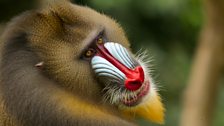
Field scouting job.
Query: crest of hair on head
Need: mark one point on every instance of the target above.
(45, 3)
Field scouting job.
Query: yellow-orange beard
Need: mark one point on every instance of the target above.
(152, 109)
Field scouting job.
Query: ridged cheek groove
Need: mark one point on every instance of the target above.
(113, 59)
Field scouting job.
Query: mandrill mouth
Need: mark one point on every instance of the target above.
(121, 74)
(137, 98)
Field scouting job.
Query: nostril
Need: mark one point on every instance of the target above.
(133, 85)
(135, 79)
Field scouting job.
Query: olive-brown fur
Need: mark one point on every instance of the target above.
(64, 92)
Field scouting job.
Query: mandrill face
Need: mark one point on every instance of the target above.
(88, 54)
(125, 81)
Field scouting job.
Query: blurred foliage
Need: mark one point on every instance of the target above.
(161, 21)
(167, 28)
(9, 8)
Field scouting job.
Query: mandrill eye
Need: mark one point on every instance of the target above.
(100, 40)
(91, 49)
(90, 53)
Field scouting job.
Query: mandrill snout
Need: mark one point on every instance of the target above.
(135, 79)
(113, 63)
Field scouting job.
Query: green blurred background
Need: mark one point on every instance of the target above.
(168, 29)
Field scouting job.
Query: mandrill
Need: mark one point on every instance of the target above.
(67, 65)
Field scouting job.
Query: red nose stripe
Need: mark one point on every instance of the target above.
(134, 78)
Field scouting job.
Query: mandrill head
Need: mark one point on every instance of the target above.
(88, 54)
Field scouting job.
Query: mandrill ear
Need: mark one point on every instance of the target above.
(152, 109)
